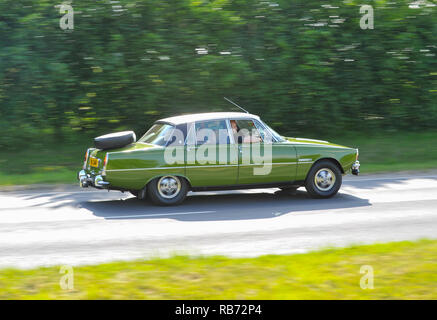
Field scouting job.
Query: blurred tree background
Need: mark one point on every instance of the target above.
(305, 66)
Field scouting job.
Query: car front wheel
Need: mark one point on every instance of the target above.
(167, 190)
(324, 180)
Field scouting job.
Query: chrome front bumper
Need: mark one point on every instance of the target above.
(86, 180)
(356, 168)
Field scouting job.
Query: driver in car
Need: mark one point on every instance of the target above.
(243, 136)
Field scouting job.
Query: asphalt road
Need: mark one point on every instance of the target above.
(70, 226)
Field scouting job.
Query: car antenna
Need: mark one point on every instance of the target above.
(229, 100)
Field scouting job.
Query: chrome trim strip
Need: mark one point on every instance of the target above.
(317, 145)
(212, 166)
(273, 164)
(205, 166)
(139, 169)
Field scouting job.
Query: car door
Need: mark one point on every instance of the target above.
(211, 155)
(263, 159)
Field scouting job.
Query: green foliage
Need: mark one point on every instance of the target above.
(302, 66)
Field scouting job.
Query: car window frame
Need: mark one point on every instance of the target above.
(268, 129)
(253, 121)
(193, 127)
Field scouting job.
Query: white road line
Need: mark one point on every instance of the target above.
(158, 214)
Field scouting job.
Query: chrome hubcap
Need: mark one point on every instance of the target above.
(324, 179)
(169, 187)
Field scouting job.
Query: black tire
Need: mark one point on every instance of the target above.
(329, 179)
(157, 193)
(115, 140)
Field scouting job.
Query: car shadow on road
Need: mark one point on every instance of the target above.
(223, 206)
(235, 203)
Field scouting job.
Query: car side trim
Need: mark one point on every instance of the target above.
(205, 166)
(296, 183)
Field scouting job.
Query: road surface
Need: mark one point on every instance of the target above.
(71, 226)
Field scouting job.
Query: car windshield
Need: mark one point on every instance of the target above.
(158, 134)
(276, 135)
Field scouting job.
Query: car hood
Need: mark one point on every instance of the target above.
(314, 142)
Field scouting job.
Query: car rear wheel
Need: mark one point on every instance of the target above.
(167, 190)
(324, 180)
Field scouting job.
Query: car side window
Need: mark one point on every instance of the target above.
(211, 132)
(245, 131)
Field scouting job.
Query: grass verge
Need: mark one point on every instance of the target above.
(402, 270)
(384, 152)
(395, 151)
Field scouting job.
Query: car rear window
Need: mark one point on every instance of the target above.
(158, 134)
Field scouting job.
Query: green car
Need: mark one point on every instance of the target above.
(214, 151)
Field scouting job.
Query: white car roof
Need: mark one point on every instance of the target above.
(187, 118)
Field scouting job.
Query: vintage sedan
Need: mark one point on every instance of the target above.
(214, 151)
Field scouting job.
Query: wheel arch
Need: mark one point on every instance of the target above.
(333, 160)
